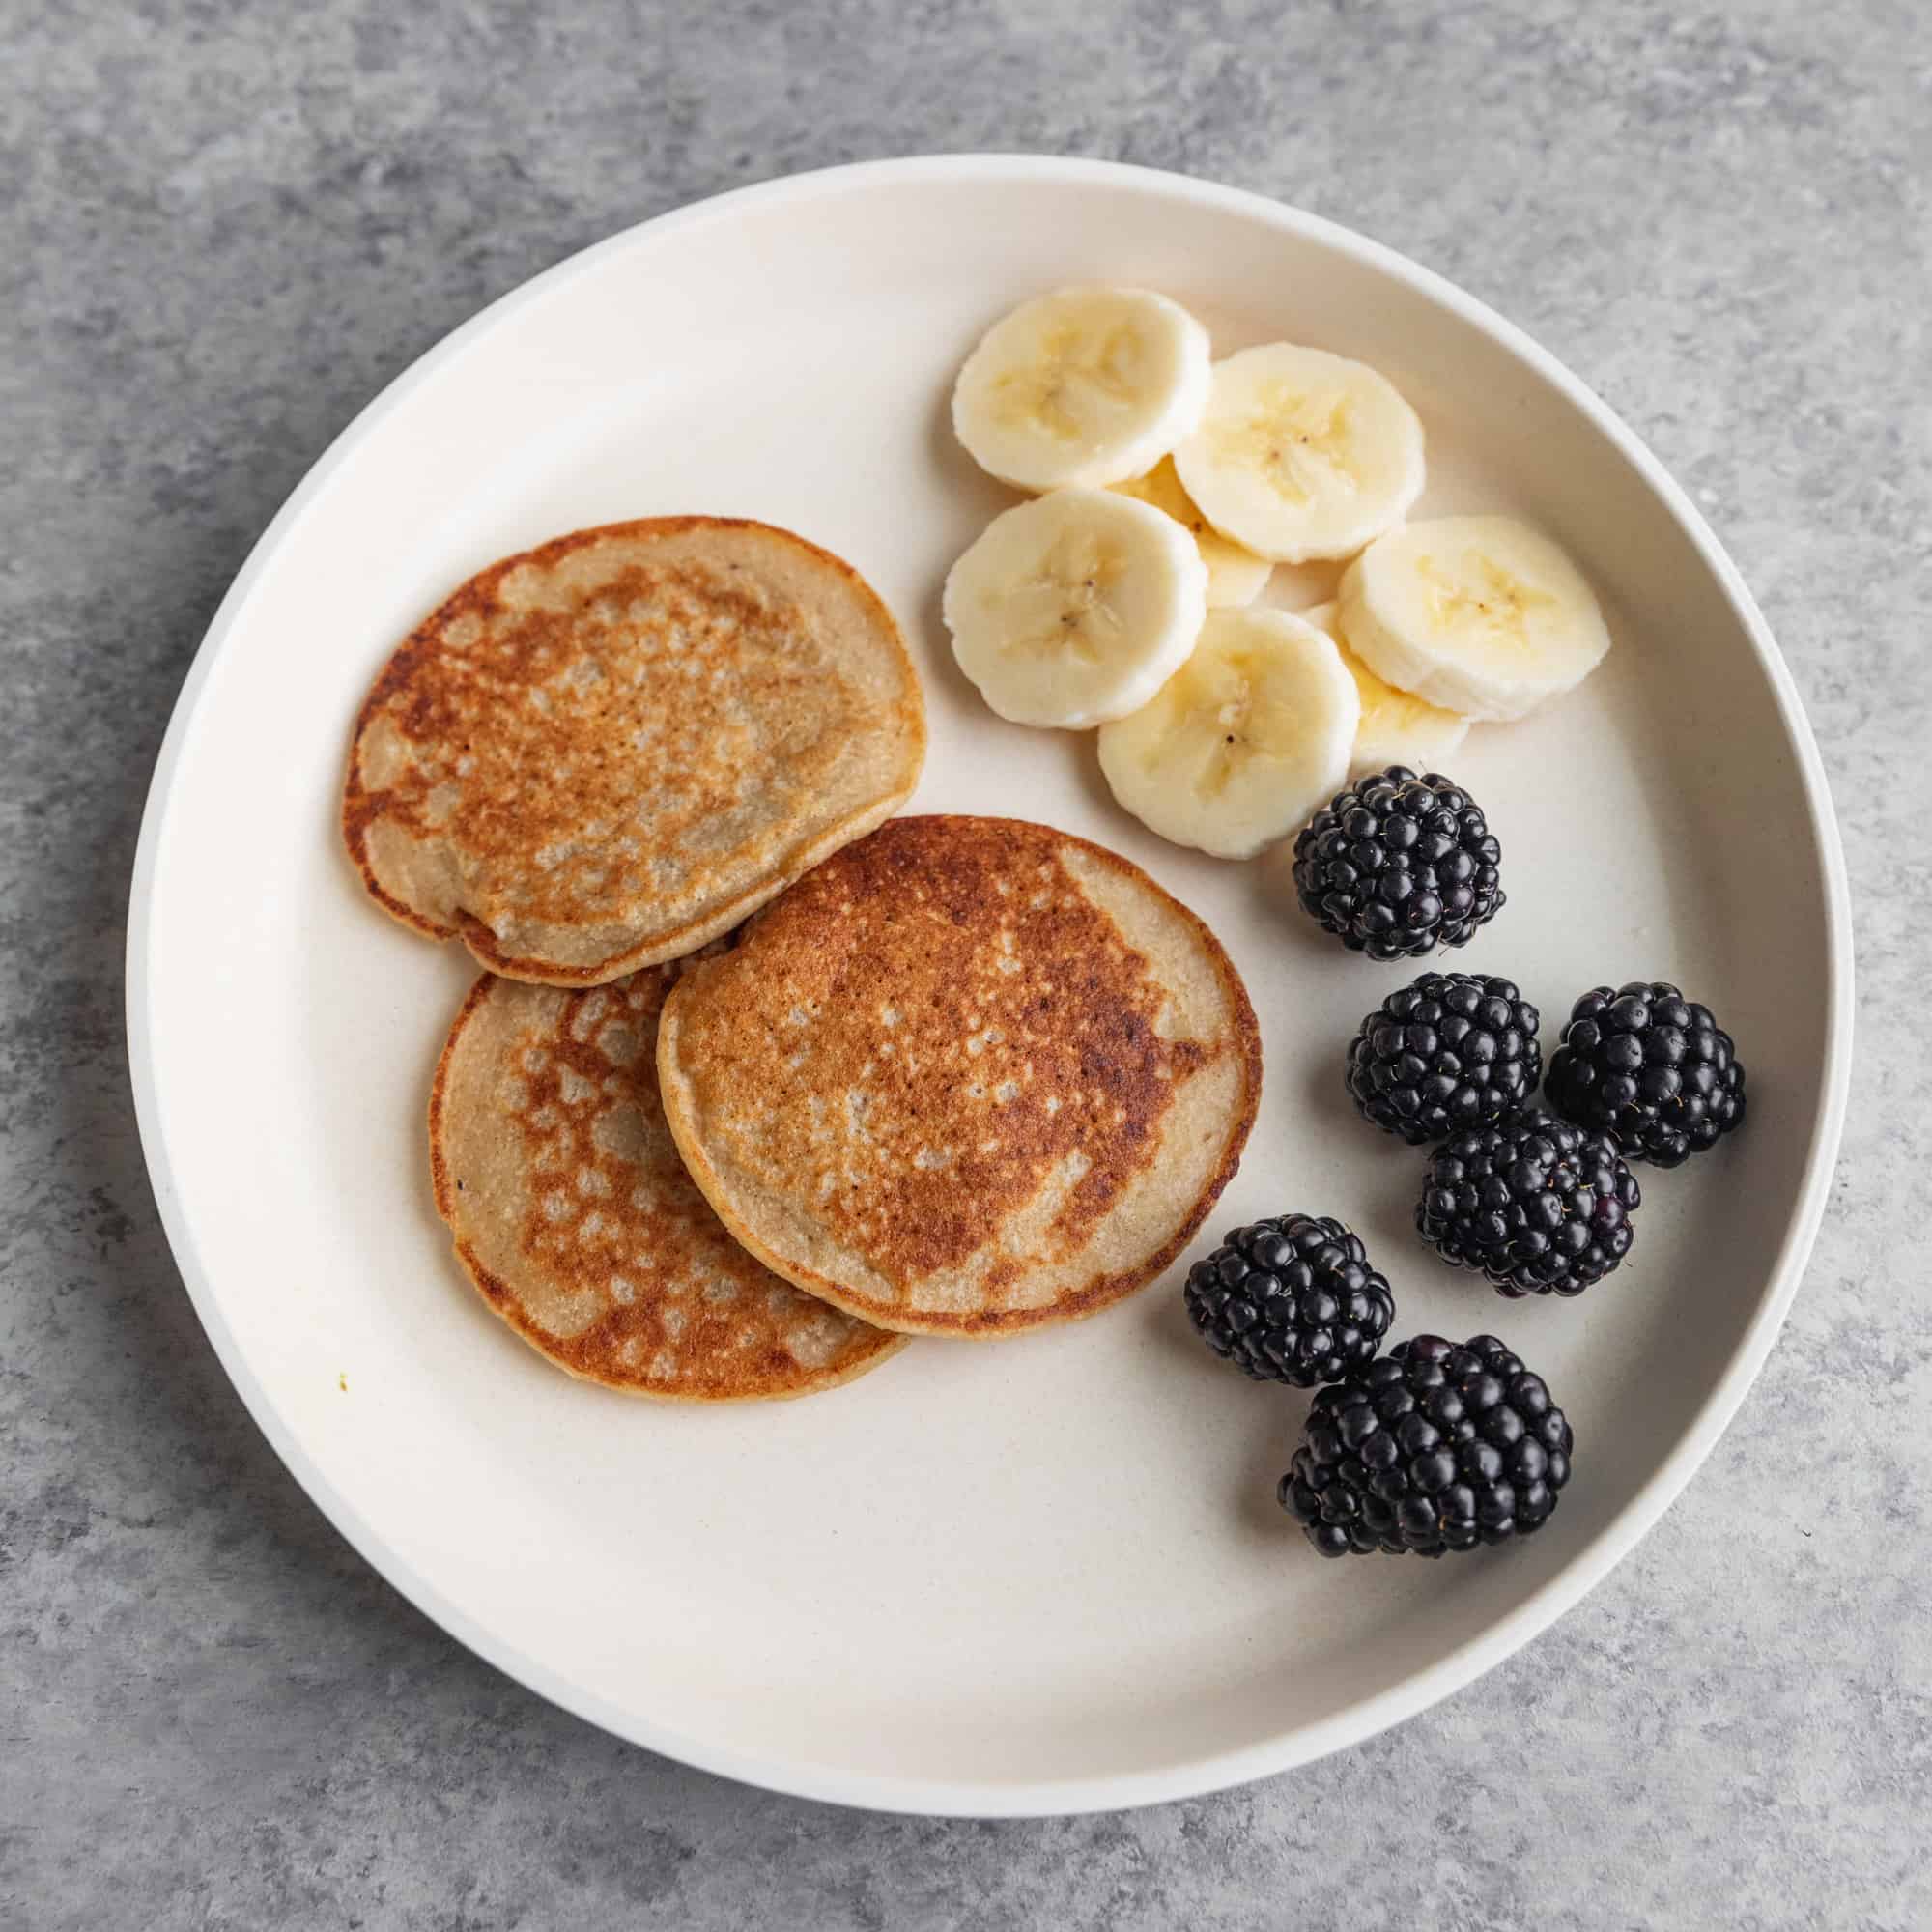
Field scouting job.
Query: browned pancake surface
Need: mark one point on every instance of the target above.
(574, 1216)
(601, 752)
(968, 1076)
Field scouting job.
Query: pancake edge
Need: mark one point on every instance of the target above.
(488, 1285)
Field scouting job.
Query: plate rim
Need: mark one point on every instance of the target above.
(1194, 1776)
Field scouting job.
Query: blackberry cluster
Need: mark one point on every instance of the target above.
(1453, 1051)
(1537, 1205)
(1293, 1300)
(1650, 1069)
(1398, 864)
(1434, 1447)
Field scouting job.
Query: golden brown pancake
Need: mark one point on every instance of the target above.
(601, 752)
(968, 1077)
(575, 1217)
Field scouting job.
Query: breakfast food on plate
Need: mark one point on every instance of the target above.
(1538, 1206)
(1075, 608)
(1236, 746)
(1085, 386)
(1437, 1446)
(1453, 1051)
(599, 754)
(1396, 727)
(1302, 455)
(1293, 1300)
(1650, 1069)
(1235, 574)
(969, 1077)
(573, 1216)
(1479, 614)
(1280, 453)
(1398, 864)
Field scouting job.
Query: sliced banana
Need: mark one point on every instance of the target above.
(1243, 741)
(1481, 616)
(1075, 608)
(1396, 728)
(1084, 387)
(1235, 574)
(1302, 455)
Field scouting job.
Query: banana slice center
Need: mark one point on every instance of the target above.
(1064, 610)
(1228, 691)
(1227, 751)
(1475, 593)
(1296, 442)
(1080, 373)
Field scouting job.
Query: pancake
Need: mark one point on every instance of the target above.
(574, 1216)
(969, 1077)
(601, 753)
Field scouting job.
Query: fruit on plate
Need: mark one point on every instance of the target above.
(1302, 455)
(1450, 1052)
(1399, 863)
(1537, 1205)
(1075, 608)
(1396, 727)
(1437, 1446)
(1245, 736)
(1235, 574)
(1481, 616)
(1085, 386)
(1650, 1069)
(1292, 1300)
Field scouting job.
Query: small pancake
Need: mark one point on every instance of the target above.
(575, 1217)
(603, 752)
(969, 1077)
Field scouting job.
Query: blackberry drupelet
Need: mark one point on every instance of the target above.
(1398, 864)
(1650, 1069)
(1540, 1205)
(1293, 1300)
(1454, 1050)
(1436, 1447)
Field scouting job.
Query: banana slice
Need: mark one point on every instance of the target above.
(1302, 455)
(1075, 608)
(1479, 614)
(1396, 728)
(1244, 740)
(1084, 387)
(1235, 574)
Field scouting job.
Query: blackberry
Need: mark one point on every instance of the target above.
(1539, 1206)
(1650, 1069)
(1436, 1447)
(1290, 1301)
(1454, 1050)
(1398, 864)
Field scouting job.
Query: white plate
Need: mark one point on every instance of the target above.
(1046, 1575)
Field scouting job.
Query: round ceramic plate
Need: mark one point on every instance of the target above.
(1043, 1575)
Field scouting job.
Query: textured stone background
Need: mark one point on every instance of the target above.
(220, 233)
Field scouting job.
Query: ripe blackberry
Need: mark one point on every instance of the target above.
(1455, 1050)
(1398, 864)
(1650, 1069)
(1436, 1447)
(1539, 1206)
(1290, 1301)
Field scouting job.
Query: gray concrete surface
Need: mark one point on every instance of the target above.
(222, 230)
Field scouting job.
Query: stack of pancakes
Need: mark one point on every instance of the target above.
(761, 1082)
